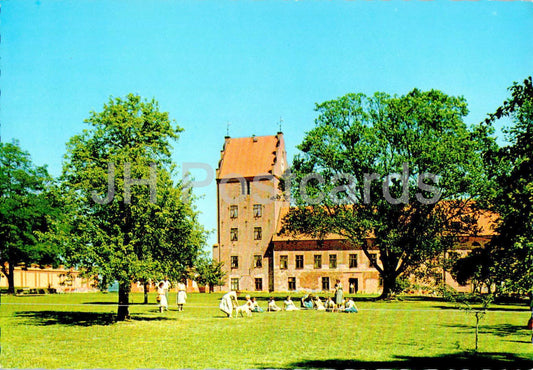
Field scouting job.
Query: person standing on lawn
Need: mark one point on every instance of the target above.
(339, 294)
(166, 287)
(182, 295)
(161, 297)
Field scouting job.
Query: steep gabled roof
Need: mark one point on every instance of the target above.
(250, 156)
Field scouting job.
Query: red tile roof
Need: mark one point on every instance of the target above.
(248, 156)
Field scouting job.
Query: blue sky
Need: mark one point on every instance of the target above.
(244, 62)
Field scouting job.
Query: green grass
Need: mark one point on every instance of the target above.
(79, 331)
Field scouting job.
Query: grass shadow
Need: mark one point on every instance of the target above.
(463, 360)
(75, 318)
(495, 309)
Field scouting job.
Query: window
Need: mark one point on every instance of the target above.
(353, 261)
(325, 283)
(234, 283)
(257, 233)
(258, 210)
(234, 234)
(373, 258)
(234, 262)
(258, 261)
(292, 283)
(318, 261)
(245, 186)
(299, 261)
(283, 262)
(353, 285)
(332, 261)
(258, 284)
(233, 211)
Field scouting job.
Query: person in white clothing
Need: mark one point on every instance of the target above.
(166, 287)
(272, 307)
(182, 296)
(163, 303)
(228, 303)
(289, 305)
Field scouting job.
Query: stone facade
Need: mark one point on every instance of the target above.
(257, 257)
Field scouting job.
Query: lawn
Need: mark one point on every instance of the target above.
(79, 331)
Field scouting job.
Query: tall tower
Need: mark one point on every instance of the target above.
(249, 204)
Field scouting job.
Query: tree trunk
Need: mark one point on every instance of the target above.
(389, 284)
(11, 278)
(123, 301)
(146, 286)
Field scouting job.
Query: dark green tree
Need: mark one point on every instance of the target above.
(511, 195)
(394, 174)
(129, 220)
(25, 202)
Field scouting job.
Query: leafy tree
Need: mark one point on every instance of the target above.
(209, 272)
(372, 161)
(143, 226)
(477, 267)
(24, 204)
(511, 196)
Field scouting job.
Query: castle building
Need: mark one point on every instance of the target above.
(258, 257)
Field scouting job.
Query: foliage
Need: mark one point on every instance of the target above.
(511, 196)
(26, 199)
(139, 231)
(477, 268)
(209, 272)
(399, 142)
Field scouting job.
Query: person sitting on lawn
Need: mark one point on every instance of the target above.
(330, 305)
(255, 306)
(272, 307)
(350, 307)
(319, 306)
(307, 302)
(289, 304)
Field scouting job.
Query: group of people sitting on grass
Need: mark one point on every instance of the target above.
(229, 305)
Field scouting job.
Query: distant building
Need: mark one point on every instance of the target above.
(60, 279)
(257, 257)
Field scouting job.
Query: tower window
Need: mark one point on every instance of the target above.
(258, 233)
(233, 211)
(258, 210)
(234, 234)
(234, 262)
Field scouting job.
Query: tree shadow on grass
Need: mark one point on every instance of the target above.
(463, 360)
(500, 330)
(495, 308)
(75, 318)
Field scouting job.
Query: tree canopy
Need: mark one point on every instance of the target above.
(24, 206)
(511, 195)
(394, 173)
(129, 220)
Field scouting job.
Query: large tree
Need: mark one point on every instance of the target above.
(394, 173)
(24, 206)
(511, 196)
(129, 220)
